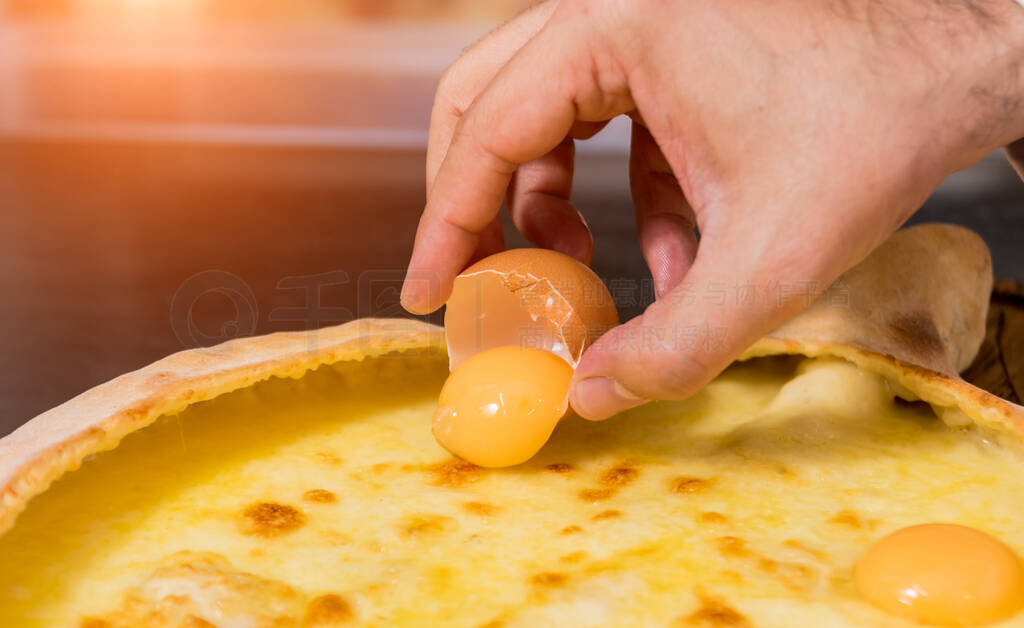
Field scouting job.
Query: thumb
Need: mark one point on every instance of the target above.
(731, 296)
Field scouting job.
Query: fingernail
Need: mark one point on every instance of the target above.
(575, 252)
(411, 300)
(598, 398)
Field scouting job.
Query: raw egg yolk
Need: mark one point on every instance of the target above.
(499, 407)
(942, 575)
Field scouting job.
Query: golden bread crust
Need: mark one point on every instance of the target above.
(914, 312)
(43, 449)
(921, 298)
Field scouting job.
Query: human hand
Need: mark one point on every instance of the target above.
(795, 136)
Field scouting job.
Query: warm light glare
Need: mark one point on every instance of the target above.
(489, 12)
(141, 8)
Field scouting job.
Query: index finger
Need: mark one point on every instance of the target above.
(470, 75)
(524, 113)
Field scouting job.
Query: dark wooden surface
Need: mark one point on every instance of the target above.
(114, 255)
(999, 367)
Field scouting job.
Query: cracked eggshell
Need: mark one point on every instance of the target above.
(527, 297)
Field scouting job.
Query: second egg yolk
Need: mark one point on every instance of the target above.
(499, 407)
(942, 575)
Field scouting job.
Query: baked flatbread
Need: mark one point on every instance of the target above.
(292, 480)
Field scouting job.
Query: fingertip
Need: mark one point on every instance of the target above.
(413, 301)
(599, 398)
(423, 291)
(576, 244)
(665, 220)
(553, 223)
(669, 246)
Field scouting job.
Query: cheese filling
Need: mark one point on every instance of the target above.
(326, 501)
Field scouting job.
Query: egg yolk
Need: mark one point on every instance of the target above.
(942, 575)
(499, 407)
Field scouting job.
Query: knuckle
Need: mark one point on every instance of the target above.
(447, 86)
(682, 374)
(668, 359)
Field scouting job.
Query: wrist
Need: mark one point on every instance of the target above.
(974, 99)
(961, 66)
(1018, 45)
(1014, 49)
(996, 81)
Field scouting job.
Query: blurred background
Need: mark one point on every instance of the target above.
(174, 173)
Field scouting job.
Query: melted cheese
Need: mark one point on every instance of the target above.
(326, 501)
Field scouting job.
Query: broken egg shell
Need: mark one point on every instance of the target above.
(527, 297)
